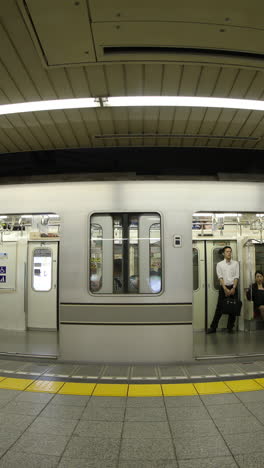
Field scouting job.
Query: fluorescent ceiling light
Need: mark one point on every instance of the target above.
(132, 101)
(3, 217)
(36, 106)
(183, 101)
(260, 215)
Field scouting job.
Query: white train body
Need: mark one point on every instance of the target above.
(115, 328)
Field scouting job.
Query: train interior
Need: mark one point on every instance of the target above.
(243, 232)
(29, 250)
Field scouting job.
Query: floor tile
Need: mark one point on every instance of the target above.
(200, 447)
(71, 388)
(23, 407)
(35, 443)
(208, 388)
(147, 449)
(34, 397)
(238, 425)
(93, 448)
(143, 402)
(15, 422)
(251, 396)
(42, 425)
(181, 401)
(45, 386)
(146, 430)
(223, 399)
(9, 394)
(187, 413)
(144, 390)
(103, 414)
(15, 384)
(218, 462)
(70, 400)
(85, 463)
(111, 390)
(253, 460)
(196, 428)
(178, 389)
(62, 411)
(245, 443)
(99, 429)
(107, 402)
(19, 459)
(148, 464)
(8, 438)
(228, 411)
(145, 414)
(243, 385)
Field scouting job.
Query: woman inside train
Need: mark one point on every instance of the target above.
(256, 294)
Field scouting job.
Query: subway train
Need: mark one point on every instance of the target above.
(112, 266)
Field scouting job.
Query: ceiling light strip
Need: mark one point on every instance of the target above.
(132, 101)
(183, 101)
(58, 104)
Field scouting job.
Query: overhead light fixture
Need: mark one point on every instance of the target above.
(222, 215)
(260, 215)
(3, 217)
(202, 214)
(182, 101)
(132, 101)
(58, 104)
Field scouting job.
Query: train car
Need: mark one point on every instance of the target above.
(110, 267)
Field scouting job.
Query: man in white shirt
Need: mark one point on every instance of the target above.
(228, 275)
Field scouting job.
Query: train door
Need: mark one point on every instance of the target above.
(213, 256)
(42, 285)
(199, 312)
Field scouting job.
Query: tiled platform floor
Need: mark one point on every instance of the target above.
(46, 430)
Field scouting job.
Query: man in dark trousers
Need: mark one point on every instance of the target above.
(228, 275)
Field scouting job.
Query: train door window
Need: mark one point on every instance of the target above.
(42, 269)
(96, 257)
(217, 257)
(259, 257)
(195, 270)
(128, 248)
(155, 258)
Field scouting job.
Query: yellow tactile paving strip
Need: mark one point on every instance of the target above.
(132, 390)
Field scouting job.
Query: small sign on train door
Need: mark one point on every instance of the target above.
(2, 270)
(177, 240)
(2, 279)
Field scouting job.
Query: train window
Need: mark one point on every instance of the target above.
(155, 258)
(125, 253)
(96, 257)
(42, 269)
(259, 257)
(195, 270)
(217, 257)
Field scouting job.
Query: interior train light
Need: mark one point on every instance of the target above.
(183, 101)
(259, 215)
(3, 217)
(202, 214)
(222, 215)
(57, 104)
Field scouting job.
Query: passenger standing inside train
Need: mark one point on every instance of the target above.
(228, 275)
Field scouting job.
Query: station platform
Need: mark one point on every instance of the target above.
(69, 415)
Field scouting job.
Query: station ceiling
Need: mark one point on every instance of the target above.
(61, 49)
